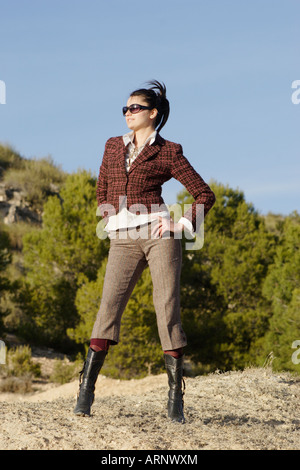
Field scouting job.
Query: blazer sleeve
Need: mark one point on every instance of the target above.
(204, 198)
(104, 209)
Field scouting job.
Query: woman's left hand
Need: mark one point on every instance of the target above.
(166, 225)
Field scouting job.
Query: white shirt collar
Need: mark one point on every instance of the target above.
(128, 138)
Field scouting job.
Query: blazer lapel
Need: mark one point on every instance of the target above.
(122, 155)
(147, 152)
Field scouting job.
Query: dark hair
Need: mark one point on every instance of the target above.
(155, 96)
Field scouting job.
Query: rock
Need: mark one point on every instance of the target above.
(21, 214)
(15, 208)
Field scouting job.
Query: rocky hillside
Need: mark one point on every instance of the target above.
(25, 185)
(14, 206)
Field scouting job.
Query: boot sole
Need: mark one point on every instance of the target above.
(81, 413)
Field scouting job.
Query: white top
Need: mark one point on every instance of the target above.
(126, 219)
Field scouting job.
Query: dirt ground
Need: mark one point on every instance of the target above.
(254, 409)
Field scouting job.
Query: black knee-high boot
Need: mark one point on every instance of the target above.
(88, 376)
(174, 369)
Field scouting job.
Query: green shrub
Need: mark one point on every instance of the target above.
(19, 363)
(65, 371)
(9, 158)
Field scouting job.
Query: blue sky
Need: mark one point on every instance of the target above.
(228, 65)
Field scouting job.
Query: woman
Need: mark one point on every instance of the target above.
(141, 232)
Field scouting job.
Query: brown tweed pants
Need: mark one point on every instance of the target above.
(130, 252)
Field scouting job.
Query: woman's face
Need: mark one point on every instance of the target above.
(144, 119)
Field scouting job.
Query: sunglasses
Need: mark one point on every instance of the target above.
(134, 108)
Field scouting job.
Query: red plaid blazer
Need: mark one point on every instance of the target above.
(140, 189)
